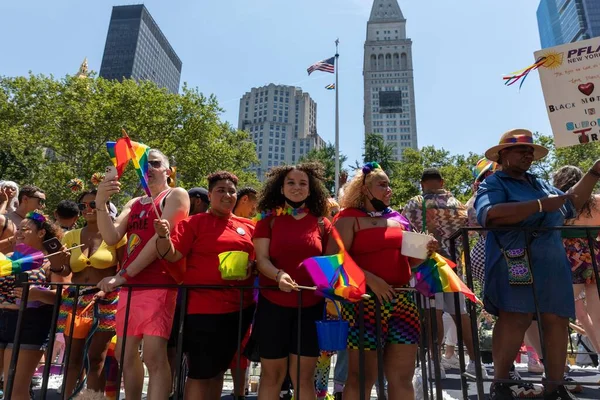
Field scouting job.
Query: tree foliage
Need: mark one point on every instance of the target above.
(326, 156)
(376, 150)
(55, 130)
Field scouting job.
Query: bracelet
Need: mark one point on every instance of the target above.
(594, 172)
(124, 274)
(540, 205)
(101, 209)
(163, 237)
(277, 276)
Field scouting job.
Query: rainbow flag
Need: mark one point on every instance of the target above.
(435, 275)
(139, 155)
(337, 276)
(24, 258)
(331, 86)
(119, 155)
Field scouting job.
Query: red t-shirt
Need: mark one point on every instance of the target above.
(201, 238)
(139, 232)
(292, 241)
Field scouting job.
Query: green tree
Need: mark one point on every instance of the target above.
(376, 150)
(55, 130)
(326, 156)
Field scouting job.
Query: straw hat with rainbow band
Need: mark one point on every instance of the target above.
(516, 137)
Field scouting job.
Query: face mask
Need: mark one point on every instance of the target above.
(377, 204)
(294, 204)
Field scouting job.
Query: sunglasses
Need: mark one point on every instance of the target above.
(155, 164)
(39, 199)
(82, 206)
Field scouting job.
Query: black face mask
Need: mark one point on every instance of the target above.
(294, 204)
(377, 204)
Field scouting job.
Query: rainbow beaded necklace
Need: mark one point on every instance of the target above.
(279, 211)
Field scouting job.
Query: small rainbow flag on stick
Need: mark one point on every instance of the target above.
(435, 275)
(119, 155)
(24, 258)
(337, 276)
(139, 155)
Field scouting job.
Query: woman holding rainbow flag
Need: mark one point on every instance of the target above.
(291, 228)
(151, 310)
(372, 233)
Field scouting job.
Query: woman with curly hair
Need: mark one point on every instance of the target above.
(291, 228)
(33, 230)
(587, 303)
(372, 233)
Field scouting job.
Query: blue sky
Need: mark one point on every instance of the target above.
(461, 49)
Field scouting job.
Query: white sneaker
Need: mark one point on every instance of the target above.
(431, 371)
(450, 362)
(524, 390)
(471, 369)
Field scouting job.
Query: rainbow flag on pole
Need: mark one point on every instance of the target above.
(435, 275)
(119, 155)
(337, 276)
(23, 259)
(139, 155)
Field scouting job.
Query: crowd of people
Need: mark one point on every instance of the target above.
(235, 240)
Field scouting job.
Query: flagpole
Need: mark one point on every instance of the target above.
(337, 122)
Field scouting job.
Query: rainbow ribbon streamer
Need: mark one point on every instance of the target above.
(337, 276)
(435, 275)
(521, 75)
(23, 259)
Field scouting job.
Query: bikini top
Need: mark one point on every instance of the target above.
(104, 257)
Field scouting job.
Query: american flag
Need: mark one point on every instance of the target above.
(324, 65)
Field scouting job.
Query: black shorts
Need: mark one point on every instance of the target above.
(277, 330)
(211, 340)
(34, 329)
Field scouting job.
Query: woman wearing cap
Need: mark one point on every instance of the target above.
(515, 198)
(204, 242)
(291, 228)
(372, 232)
(88, 265)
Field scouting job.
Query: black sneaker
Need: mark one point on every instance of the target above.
(337, 396)
(501, 391)
(560, 393)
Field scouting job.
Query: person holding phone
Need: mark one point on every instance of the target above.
(517, 262)
(151, 309)
(33, 231)
(88, 265)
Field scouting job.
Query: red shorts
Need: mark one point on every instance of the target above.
(150, 313)
(244, 362)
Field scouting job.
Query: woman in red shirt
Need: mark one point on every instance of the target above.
(291, 229)
(372, 232)
(211, 325)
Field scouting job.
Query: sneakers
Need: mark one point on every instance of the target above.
(450, 362)
(501, 391)
(560, 393)
(573, 387)
(471, 369)
(534, 365)
(431, 371)
(524, 390)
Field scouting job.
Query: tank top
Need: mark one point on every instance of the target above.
(377, 250)
(140, 230)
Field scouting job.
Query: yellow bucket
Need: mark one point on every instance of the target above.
(233, 265)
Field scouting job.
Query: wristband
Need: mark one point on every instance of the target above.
(277, 276)
(541, 209)
(163, 237)
(125, 275)
(594, 172)
(101, 209)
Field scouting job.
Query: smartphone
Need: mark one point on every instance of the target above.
(52, 245)
(110, 173)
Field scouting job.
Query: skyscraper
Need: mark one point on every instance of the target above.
(136, 48)
(388, 78)
(566, 21)
(282, 123)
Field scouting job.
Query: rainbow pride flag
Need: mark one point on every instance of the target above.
(119, 155)
(337, 276)
(139, 155)
(435, 275)
(24, 258)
